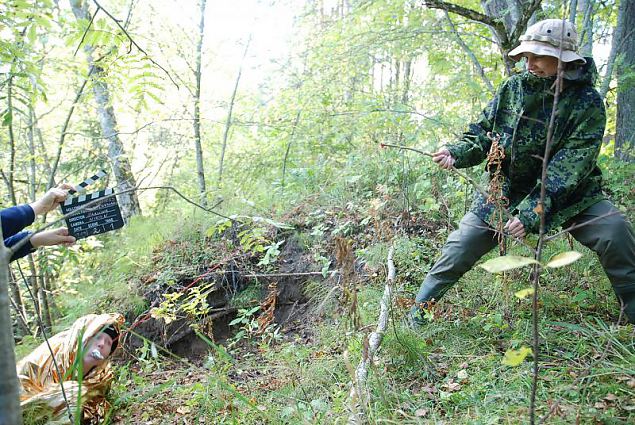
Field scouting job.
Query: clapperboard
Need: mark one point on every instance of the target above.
(100, 217)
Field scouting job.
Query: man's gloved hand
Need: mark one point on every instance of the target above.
(443, 158)
(52, 237)
(51, 199)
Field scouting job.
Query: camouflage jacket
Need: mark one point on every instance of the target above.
(520, 114)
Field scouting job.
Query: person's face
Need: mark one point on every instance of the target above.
(542, 66)
(102, 342)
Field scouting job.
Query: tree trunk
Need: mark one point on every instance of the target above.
(586, 38)
(407, 75)
(503, 11)
(625, 124)
(32, 168)
(10, 178)
(507, 20)
(35, 292)
(118, 161)
(470, 54)
(18, 305)
(60, 143)
(42, 295)
(197, 112)
(10, 413)
(615, 45)
(286, 153)
(229, 114)
(573, 10)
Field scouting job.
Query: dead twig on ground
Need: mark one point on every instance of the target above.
(359, 395)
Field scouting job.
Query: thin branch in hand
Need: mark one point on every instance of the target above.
(470, 180)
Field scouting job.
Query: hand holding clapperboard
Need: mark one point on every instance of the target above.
(99, 218)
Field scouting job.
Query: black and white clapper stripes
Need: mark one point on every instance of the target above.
(81, 187)
(100, 217)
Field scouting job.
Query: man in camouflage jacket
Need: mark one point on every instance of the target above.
(517, 121)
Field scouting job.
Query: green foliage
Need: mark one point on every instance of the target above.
(304, 150)
(507, 262)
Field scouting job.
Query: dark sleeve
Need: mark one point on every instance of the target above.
(569, 166)
(24, 250)
(472, 148)
(15, 219)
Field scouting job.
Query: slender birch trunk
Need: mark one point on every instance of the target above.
(119, 162)
(10, 178)
(32, 165)
(200, 169)
(46, 285)
(60, 143)
(586, 39)
(407, 75)
(229, 115)
(573, 10)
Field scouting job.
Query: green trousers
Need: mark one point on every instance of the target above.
(612, 238)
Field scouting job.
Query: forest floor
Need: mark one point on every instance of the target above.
(291, 363)
(262, 322)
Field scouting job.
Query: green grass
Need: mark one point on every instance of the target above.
(448, 372)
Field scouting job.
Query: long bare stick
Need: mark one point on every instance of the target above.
(469, 179)
(541, 232)
(359, 392)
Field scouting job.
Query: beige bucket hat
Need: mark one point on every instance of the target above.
(544, 38)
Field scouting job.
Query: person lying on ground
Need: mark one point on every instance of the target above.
(519, 117)
(14, 219)
(92, 339)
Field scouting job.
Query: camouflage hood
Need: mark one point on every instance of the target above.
(520, 113)
(586, 74)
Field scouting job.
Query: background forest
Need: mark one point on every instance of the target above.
(253, 262)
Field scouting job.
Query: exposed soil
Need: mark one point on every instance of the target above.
(179, 337)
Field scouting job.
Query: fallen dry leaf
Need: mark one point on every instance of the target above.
(610, 397)
(452, 386)
(420, 413)
(183, 410)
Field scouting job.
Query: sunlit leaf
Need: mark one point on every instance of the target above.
(516, 357)
(524, 293)
(563, 259)
(507, 262)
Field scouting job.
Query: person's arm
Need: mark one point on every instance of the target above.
(24, 250)
(15, 219)
(571, 164)
(474, 145)
(46, 238)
